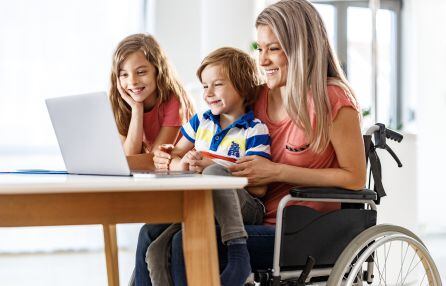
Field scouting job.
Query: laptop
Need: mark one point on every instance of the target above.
(88, 137)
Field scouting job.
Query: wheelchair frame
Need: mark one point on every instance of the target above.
(277, 241)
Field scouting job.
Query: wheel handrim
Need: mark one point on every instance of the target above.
(410, 251)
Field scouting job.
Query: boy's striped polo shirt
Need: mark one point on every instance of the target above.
(244, 137)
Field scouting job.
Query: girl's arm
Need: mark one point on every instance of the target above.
(348, 144)
(181, 148)
(133, 141)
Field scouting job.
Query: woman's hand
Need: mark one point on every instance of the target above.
(162, 157)
(127, 98)
(258, 170)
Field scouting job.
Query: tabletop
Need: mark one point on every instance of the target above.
(41, 184)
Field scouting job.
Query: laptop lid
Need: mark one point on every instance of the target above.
(87, 134)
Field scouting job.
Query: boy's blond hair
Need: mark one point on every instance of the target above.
(239, 67)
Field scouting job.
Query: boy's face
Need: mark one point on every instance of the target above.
(137, 77)
(219, 93)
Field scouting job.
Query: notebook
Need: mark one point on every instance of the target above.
(88, 137)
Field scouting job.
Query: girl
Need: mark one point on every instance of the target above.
(148, 101)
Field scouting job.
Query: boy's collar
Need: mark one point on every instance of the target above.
(243, 121)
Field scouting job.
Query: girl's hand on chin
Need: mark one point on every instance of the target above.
(258, 170)
(127, 98)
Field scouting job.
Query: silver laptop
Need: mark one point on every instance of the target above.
(87, 134)
(89, 139)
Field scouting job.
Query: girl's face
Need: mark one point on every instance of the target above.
(219, 93)
(138, 77)
(272, 58)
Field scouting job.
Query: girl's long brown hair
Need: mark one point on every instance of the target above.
(166, 81)
(312, 65)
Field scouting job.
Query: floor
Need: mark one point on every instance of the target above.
(88, 267)
(62, 268)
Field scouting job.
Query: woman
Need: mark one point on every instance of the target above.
(311, 112)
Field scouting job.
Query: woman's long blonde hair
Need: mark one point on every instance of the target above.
(312, 65)
(166, 81)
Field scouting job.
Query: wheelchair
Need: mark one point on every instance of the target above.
(346, 246)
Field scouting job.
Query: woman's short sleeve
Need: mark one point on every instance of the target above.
(339, 99)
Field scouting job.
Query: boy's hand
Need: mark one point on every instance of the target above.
(196, 162)
(200, 165)
(189, 160)
(162, 156)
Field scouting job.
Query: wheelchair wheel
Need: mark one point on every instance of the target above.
(385, 255)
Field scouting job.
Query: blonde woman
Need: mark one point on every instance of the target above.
(308, 106)
(148, 101)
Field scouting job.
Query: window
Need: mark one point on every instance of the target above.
(53, 48)
(353, 43)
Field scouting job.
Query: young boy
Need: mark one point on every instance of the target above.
(212, 141)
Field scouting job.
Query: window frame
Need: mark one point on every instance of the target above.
(341, 7)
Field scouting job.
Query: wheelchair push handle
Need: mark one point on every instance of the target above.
(380, 133)
(393, 135)
(394, 156)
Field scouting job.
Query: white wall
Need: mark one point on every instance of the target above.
(424, 68)
(400, 205)
(416, 193)
(196, 27)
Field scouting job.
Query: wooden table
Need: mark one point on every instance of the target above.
(47, 200)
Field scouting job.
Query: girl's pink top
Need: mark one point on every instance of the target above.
(162, 114)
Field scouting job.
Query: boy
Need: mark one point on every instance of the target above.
(212, 141)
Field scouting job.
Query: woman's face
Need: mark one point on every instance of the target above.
(272, 58)
(137, 77)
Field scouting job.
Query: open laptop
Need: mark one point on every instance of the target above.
(88, 136)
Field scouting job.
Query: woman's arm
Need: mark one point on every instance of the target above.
(347, 142)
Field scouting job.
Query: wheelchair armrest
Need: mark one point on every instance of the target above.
(332, 193)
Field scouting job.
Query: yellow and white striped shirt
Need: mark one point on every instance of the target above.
(244, 137)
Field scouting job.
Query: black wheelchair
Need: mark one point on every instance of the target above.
(346, 247)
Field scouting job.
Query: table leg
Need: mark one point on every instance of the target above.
(111, 254)
(199, 241)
